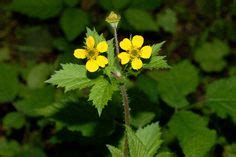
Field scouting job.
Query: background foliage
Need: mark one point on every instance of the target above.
(194, 102)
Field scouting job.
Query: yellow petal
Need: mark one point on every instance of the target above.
(90, 42)
(125, 44)
(102, 61)
(137, 41)
(92, 65)
(80, 53)
(124, 57)
(102, 46)
(136, 63)
(146, 52)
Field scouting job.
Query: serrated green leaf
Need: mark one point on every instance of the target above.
(177, 83)
(150, 137)
(97, 37)
(140, 20)
(71, 76)
(73, 22)
(192, 132)
(38, 74)
(210, 55)
(220, 97)
(136, 147)
(198, 143)
(9, 85)
(157, 62)
(42, 9)
(115, 152)
(167, 20)
(156, 48)
(14, 120)
(101, 93)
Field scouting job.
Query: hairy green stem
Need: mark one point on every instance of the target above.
(125, 101)
(126, 116)
(116, 41)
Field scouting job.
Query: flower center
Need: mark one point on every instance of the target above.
(134, 53)
(93, 53)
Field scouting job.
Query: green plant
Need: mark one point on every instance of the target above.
(111, 76)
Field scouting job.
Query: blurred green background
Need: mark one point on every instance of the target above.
(194, 101)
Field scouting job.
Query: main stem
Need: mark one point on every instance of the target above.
(124, 99)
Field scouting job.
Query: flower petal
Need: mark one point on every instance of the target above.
(102, 61)
(146, 52)
(80, 53)
(137, 41)
(90, 42)
(102, 46)
(92, 65)
(125, 44)
(124, 57)
(136, 63)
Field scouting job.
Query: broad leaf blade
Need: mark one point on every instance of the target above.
(115, 152)
(192, 132)
(210, 55)
(42, 9)
(150, 137)
(221, 98)
(136, 146)
(71, 76)
(73, 22)
(177, 83)
(101, 93)
(157, 62)
(197, 144)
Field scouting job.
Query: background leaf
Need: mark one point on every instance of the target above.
(34, 8)
(9, 85)
(73, 22)
(192, 132)
(14, 120)
(167, 20)
(177, 83)
(38, 74)
(210, 55)
(136, 18)
(221, 99)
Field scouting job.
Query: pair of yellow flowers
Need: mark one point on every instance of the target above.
(133, 52)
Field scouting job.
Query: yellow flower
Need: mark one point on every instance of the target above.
(92, 53)
(134, 51)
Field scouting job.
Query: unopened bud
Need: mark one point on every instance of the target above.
(113, 19)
